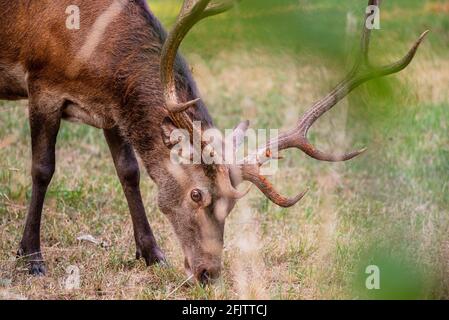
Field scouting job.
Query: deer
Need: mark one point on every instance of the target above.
(122, 73)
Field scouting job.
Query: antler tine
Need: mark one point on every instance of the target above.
(362, 72)
(218, 8)
(251, 173)
(365, 39)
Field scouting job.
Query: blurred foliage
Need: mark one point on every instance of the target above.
(400, 277)
(317, 27)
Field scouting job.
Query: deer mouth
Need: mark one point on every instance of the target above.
(207, 275)
(203, 274)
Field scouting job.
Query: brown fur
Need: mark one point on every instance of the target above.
(117, 89)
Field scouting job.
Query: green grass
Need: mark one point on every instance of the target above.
(266, 63)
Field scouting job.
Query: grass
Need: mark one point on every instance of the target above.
(388, 208)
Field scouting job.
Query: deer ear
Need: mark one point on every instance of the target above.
(177, 141)
(167, 129)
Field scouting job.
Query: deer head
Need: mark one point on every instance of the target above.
(198, 198)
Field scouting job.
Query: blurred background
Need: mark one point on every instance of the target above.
(267, 61)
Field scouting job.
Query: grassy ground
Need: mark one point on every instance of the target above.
(387, 208)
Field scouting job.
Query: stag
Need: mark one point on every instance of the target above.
(121, 73)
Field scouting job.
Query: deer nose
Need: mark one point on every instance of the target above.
(208, 275)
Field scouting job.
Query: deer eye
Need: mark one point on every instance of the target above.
(196, 195)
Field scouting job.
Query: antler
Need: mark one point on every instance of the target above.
(192, 12)
(362, 72)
